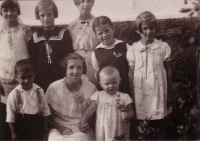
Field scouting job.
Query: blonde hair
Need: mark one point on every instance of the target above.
(144, 17)
(46, 4)
(108, 70)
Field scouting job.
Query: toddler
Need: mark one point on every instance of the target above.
(113, 108)
(27, 109)
(84, 39)
(149, 71)
(110, 51)
(49, 44)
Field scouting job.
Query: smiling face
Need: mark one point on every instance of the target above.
(47, 18)
(25, 79)
(105, 34)
(74, 70)
(85, 6)
(110, 83)
(10, 14)
(148, 32)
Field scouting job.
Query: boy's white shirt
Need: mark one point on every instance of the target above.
(29, 100)
(95, 63)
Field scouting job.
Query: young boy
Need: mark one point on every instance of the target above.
(110, 51)
(27, 109)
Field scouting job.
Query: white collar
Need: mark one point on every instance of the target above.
(34, 88)
(109, 47)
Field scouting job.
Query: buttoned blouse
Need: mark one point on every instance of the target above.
(13, 48)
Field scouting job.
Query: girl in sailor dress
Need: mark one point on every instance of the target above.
(49, 44)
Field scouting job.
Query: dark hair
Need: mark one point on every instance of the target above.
(77, 2)
(10, 4)
(24, 66)
(143, 17)
(74, 56)
(101, 21)
(46, 4)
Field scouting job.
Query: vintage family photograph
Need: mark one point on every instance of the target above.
(99, 70)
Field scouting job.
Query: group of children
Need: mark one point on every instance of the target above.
(133, 81)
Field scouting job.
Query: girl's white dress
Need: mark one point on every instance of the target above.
(149, 81)
(84, 41)
(109, 122)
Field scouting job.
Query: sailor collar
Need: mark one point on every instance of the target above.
(56, 35)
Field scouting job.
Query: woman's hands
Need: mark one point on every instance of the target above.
(84, 127)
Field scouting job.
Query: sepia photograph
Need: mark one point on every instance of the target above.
(99, 70)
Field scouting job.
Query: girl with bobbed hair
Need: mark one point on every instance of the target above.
(49, 44)
(150, 73)
(68, 98)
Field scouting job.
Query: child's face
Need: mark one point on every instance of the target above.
(85, 6)
(25, 79)
(9, 14)
(74, 70)
(110, 83)
(148, 30)
(105, 34)
(47, 18)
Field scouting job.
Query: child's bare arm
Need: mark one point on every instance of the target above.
(13, 131)
(88, 113)
(130, 112)
(130, 75)
(168, 68)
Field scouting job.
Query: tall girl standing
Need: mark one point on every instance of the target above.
(84, 39)
(48, 45)
(13, 43)
(150, 71)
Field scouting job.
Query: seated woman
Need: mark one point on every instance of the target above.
(68, 98)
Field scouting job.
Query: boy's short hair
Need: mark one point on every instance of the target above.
(73, 56)
(46, 4)
(108, 70)
(77, 2)
(10, 4)
(143, 17)
(24, 66)
(101, 21)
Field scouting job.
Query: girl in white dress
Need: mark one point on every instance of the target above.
(149, 71)
(113, 108)
(83, 37)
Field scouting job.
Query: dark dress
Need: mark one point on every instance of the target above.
(115, 57)
(56, 44)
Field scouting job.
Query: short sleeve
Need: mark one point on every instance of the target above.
(130, 56)
(11, 107)
(95, 97)
(167, 52)
(27, 32)
(127, 100)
